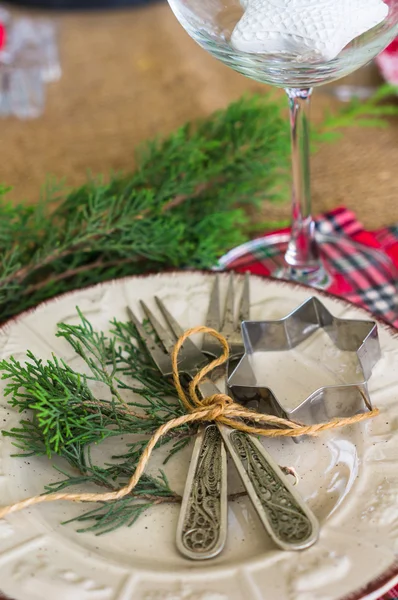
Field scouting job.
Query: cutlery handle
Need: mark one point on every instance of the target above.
(285, 516)
(202, 524)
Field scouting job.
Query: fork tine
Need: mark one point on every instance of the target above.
(153, 348)
(213, 311)
(141, 331)
(244, 306)
(228, 326)
(209, 345)
(163, 334)
(175, 327)
(188, 345)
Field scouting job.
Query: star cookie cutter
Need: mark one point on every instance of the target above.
(325, 403)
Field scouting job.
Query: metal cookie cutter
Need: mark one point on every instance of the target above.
(341, 400)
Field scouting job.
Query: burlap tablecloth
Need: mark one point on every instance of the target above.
(129, 75)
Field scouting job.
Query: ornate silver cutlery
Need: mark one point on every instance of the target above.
(283, 513)
(202, 531)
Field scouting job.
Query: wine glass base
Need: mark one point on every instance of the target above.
(359, 273)
(318, 277)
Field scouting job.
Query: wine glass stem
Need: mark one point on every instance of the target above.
(302, 253)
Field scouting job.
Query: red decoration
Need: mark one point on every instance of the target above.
(387, 62)
(3, 36)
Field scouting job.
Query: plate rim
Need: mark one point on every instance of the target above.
(388, 578)
(285, 282)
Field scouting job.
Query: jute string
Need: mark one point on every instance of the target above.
(219, 408)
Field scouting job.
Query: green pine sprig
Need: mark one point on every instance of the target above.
(374, 112)
(65, 417)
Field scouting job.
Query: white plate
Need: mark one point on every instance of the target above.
(349, 478)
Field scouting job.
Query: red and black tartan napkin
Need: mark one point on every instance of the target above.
(391, 595)
(361, 279)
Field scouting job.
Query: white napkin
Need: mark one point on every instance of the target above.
(314, 29)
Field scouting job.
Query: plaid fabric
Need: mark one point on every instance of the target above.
(364, 279)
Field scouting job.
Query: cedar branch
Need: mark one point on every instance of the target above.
(19, 275)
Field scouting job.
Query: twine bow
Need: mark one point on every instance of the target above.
(219, 408)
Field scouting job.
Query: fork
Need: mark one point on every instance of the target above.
(202, 525)
(257, 399)
(285, 516)
(226, 326)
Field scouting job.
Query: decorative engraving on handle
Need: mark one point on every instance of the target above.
(288, 521)
(203, 527)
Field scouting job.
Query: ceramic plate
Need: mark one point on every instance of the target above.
(348, 477)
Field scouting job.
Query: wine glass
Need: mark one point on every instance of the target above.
(298, 45)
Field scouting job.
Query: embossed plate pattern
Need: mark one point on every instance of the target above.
(349, 479)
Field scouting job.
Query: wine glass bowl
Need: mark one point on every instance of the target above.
(211, 23)
(297, 45)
